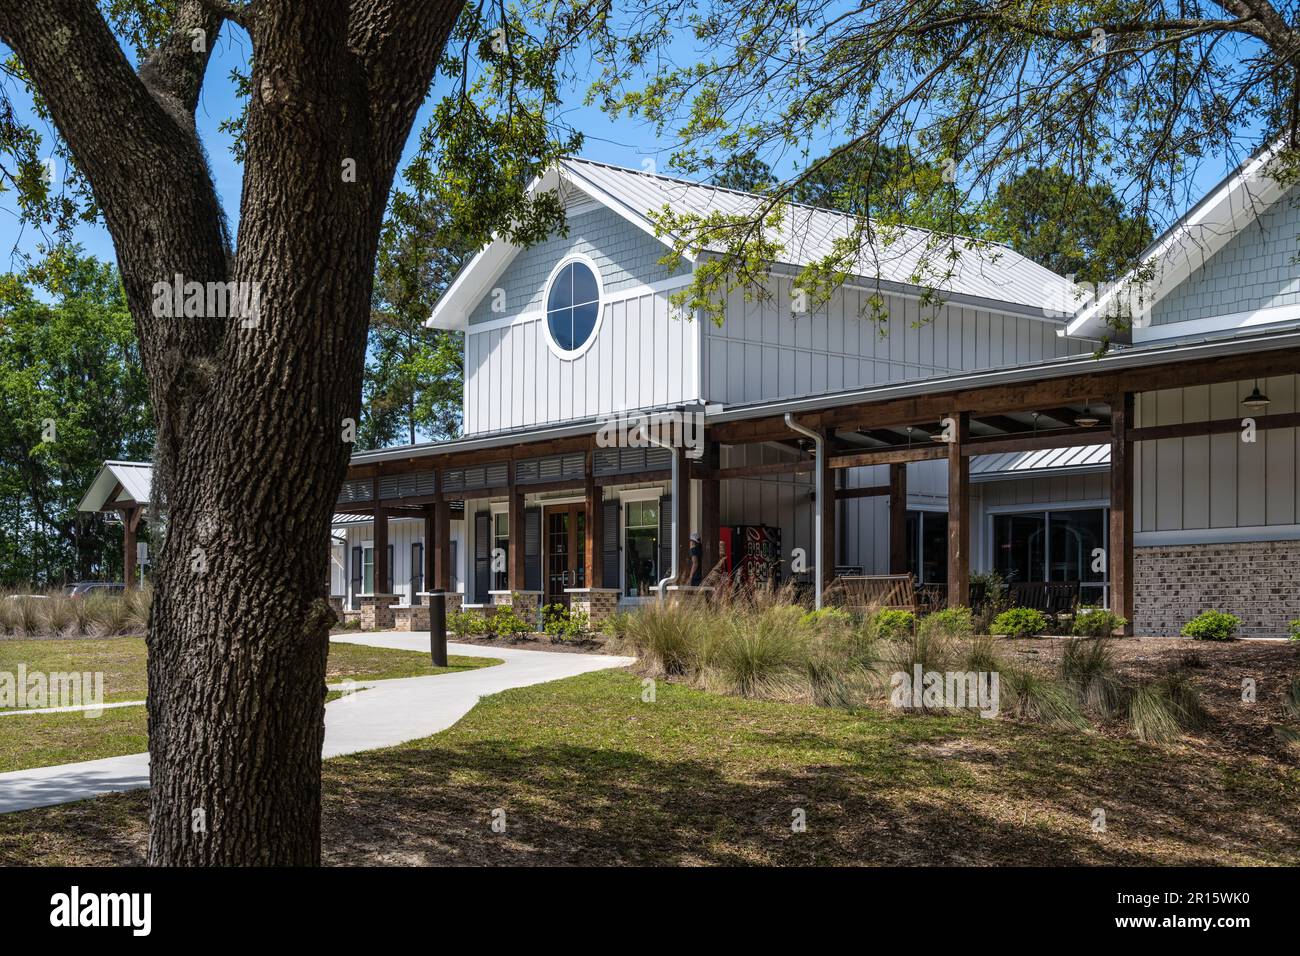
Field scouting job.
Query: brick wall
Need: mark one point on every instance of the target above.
(1254, 580)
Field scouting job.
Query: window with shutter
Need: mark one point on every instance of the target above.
(609, 543)
(665, 535)
(482, 556)
(532, 549)
(417, 572)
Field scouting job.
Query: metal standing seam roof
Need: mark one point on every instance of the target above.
(136, 479)
(896, 254)
(1048, 461)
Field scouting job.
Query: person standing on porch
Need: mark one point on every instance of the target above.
(697, 572)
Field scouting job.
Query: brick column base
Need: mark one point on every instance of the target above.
(597, 603)
(525, 603)
(336, 605)
(377, 612)
(411, 618)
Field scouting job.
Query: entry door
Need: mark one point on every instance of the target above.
(566, 552)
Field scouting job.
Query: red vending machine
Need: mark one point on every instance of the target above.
(753, 554)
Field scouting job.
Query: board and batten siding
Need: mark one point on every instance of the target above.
(1254, 270)
(1217, 481)
(642, 355)
(763, 352)
(402, 533)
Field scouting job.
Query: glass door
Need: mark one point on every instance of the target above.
(565, 559)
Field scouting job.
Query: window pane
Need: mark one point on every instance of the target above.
(584, 322)
(561, 294)
(1075, 535)
(584, 284)
(934, 546)
(641, 572)
(1018, 547)
(561, 324)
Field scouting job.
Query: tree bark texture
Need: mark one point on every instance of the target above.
(250, 453)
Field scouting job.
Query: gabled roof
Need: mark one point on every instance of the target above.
(901, 258)
(1190, 242)
(119, 483)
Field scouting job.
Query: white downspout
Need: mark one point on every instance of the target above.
(662, 587)
(819, 499)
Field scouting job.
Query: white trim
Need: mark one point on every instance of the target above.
(563, 354)
(1078, 504)
(641, 494)
(1205, 229)
(1260, 533)
(1217, 323)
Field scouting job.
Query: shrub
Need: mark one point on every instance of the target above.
(466, 623)
(616, 625)
(1027, 695)
(561, 624)
(827, 617)
(1293, 630)
(1096, 622)
(1212, 626)
(1019, 622)
(1292, 700)
(889, 625)
(950, 622)
(1088, 669)
(506, 622)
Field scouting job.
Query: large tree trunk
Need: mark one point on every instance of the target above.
(250, 454)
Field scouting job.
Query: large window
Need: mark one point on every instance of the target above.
(927, 546)
(1054, 546)
(641, 548)
(572, 306)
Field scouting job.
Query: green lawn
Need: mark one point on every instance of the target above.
(43, 740)
(585, 772)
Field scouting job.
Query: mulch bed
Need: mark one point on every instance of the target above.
(1218, 669)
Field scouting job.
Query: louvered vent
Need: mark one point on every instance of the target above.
(356, 490)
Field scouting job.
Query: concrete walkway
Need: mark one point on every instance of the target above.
(390, 712)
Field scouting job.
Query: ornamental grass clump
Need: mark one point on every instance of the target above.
(1088, 670)
(759, 654)
(1030, 696)
(668, 637)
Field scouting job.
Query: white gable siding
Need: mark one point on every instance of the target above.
(763, 352)
(1254, 270)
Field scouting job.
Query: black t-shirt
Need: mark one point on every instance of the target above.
(698, 574)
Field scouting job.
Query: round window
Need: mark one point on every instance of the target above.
(572, 306)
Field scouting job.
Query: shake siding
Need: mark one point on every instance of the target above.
(1254, 270)
(1217, 481)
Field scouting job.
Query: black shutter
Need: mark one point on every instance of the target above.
(532, 549)
(609, 543)
(358, 576)
(665, 537)
(392, 570)
(417, 572)
(482, 556)
(453, 574)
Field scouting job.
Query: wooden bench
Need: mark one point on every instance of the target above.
(885, 592)
(1053, 598)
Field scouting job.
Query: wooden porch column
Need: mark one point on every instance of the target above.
(515, 558)
(710, 510)
(130, 537)
(898, 518)
(682, 510)
(438, 550)
(1120, 545)
(383, 581)
(959, 514)
(595, 526)
(826, 559)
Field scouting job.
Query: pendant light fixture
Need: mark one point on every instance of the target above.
(1256, 399)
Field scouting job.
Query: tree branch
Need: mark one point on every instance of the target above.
(175, 71)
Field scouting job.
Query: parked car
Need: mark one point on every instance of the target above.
(26, 597)
(84, 588)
